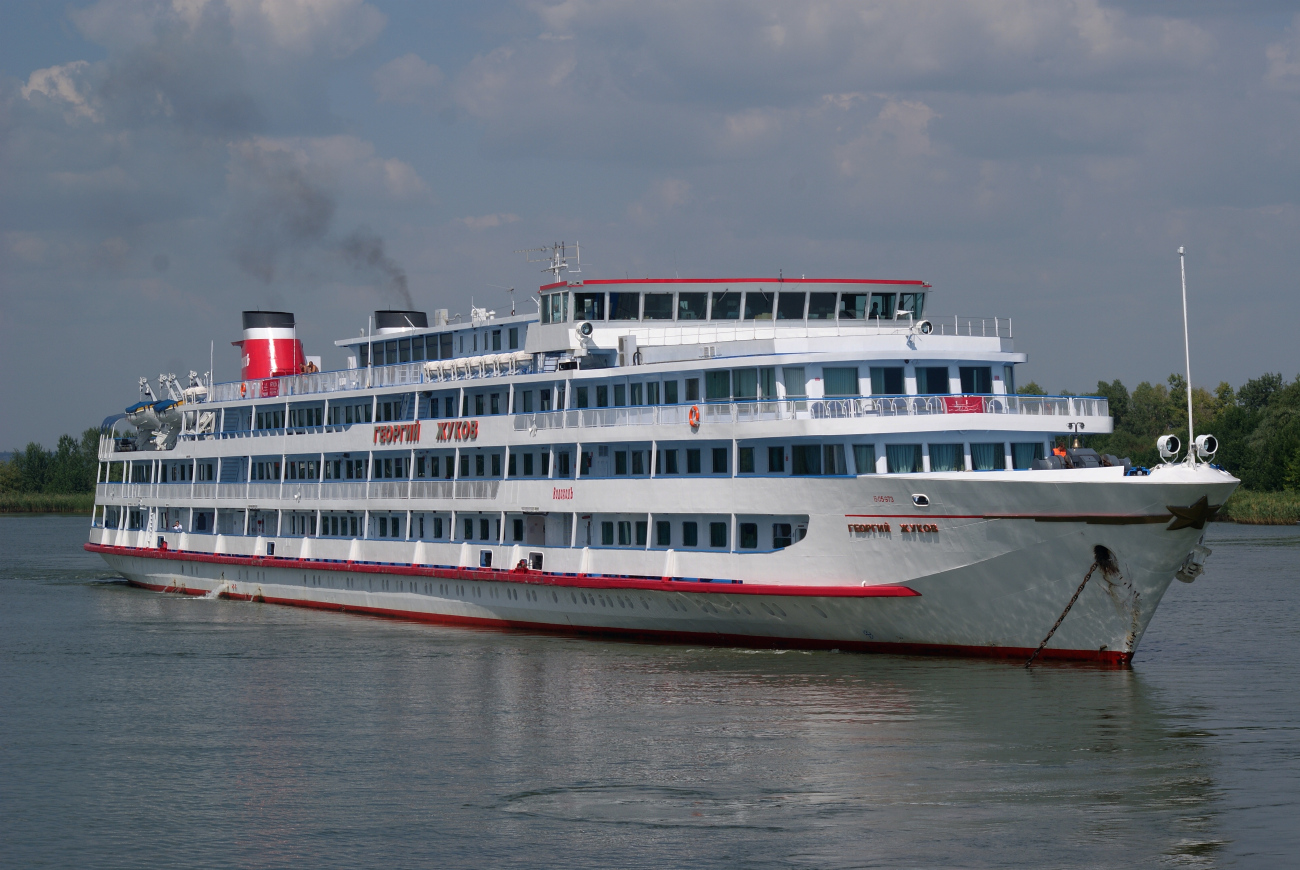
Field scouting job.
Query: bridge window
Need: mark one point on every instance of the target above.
(658, 306)
(912, 302)
(853, 306)
(790, 306)
(692, 306)
(726, 305)
(624, 306)
(758, 305)
(882, 306)
(821, 306)
(589, 306)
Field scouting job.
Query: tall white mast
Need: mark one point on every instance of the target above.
(1187, 359)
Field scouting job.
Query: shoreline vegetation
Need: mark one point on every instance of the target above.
(47, 502)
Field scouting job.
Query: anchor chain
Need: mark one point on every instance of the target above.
(1061, 618)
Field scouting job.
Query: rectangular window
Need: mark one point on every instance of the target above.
(833, 459)
(383, 527)
(758, 304)
(790, 306)
(494, 403)
(745, 383)
(658, 306)
(480, 465)
(692, 389)
(517, 530)
(444, 346)
(365, 355)
(690, 534)
(726, 305)
(404, 350)
(749, 536)
(693, 460)
(585, 460)
(390, 350)
(717, 535)
(544, 399)
(947, 457)
(913, 303)
(496, 464)
(478, 405)
(670, 392)
(775, 460)
(864, 458)
(437, 527)
(781, 536)
(528, 401)
(806, 459)
(840, 381)
(546, 465)
(720, 465)
(514, 338)
(746, 460)
(620, 462)
(903, 458)
(624, 306)
(667, 463)
(717, 387)
(624, 533)
(882, 306)
(796, 385)
(602, 396)
(528, 464)
(663, 533)
(433, 466)
(1023, 455)
(580, 394)
(767, 383)
(988, 457)
(887, 381)
(469, 529)
(589, 306)
(976, 379)
(641, 528)
(932, 380)
(562, 464)
(691, 306)
(821, 306)
(853, 306)
(607, 534)
(484, 531)
(464, 465)
(496, 340)
(620, 395)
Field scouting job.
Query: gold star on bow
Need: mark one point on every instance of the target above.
(1193, 516)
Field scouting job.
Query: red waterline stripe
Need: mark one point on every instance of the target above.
(536, 578)
(1105, 657)
(1106, 519)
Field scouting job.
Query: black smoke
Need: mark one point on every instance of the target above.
(365, 252)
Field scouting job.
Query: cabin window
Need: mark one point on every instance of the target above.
(840, 381)
(589, 306)
(693, 460)
(663, 533)
(670, 392)
(602, 396)
(988, 457)
(796, 385)
(690, 534)
(932, 380)
(390, 350)
(417, 349)
(478, 405)
(620, 462)
(887, 381)
(717, 386)
(692, 389)
(746, 459)
(620, 395)
(365, 355)
(496, 464)
(692, 306)
(469, 529)
(635, 391)
(864, 458)
(853, 306)
(720, 464)
(666, 462)
(947, 457)
(781, 536)
(882, 306)
(775, 460)
(607, 534)
(1023, 455)
(903, 458)
(625, 533)
(976, 379)
(749, 536)
(746, 384)
(444, 347)
(580, 394)
(726, 305)
(484, 531)
(638, 462)
(717, 534)
(758, 305)
(658, 306)
(790, 306)
(624, 306)
(821, 306)
(496, 340)
(494, 403)
(404, 350)
(514, 338)
(517, 530)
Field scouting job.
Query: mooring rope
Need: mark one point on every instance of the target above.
(1061, 618)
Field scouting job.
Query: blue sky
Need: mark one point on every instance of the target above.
(164, 165)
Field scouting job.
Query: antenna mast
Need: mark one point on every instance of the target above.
(1187, 359)
(558, 261)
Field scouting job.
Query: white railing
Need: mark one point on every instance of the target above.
(232, 490)
(319, 383)
(432, 489)
(388, 489)
(263, 490)
(350, 490)
(816, 409)
(299, 490)
(204, 490)
(477, 488)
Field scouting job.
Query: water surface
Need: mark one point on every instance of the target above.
(139, 729)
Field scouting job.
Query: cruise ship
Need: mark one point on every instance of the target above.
(772, 462)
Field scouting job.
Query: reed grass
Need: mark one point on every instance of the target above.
(1262, 508)
(46, 502)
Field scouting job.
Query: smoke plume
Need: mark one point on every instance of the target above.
(365, 252)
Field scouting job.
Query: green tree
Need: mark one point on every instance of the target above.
(1031, 389)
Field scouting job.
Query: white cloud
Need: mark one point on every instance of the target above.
(66, 85)
(1284, 59)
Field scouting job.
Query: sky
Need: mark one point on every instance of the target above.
(165, 164)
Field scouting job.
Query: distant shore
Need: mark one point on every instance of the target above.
(46, 503)
(1262, 508)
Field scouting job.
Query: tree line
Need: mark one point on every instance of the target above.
(70, 467)
(1258, 425)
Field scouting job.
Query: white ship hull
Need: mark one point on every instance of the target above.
(985, 569)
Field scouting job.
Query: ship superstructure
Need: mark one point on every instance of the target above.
(779, 461)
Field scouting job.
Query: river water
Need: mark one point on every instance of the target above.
(149, 730)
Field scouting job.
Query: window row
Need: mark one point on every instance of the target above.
(722, 305)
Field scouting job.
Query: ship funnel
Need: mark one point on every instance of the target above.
(397, 321)
(270, 345)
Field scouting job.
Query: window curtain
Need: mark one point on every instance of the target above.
(903, 458)
(840, 381)
(864, 458)
(1023, 455)
(987, 457)
(947, 457)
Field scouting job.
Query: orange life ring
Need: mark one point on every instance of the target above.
(694, 416)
